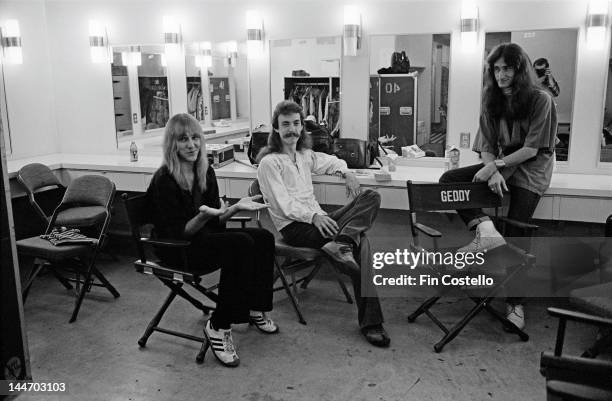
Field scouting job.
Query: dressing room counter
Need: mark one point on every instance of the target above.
(573, 197)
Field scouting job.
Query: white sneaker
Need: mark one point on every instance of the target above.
(482, 244)
(222, 345)
(263, 322)
(516, 315)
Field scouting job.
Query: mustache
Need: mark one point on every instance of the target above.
(290, 134)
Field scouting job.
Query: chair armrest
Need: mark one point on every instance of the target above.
(518, 224)
(580, 317)
(553, 366)
(428, 230)
(170, 243)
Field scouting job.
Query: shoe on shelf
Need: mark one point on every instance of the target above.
(263, 322)
(483, 244)
(376, 335)
(222, 345)
(341, 253)
(516, 315)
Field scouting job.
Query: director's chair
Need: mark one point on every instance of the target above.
(174, 277)
(503, 263)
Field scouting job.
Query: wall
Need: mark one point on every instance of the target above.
(78, 94)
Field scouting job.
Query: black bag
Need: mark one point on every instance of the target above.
(400, 63)
(354, 152)
(259, 140)
(320, 138)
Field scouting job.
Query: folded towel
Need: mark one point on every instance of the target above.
(63, 235)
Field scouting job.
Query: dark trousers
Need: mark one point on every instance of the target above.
(353, 219)
(522, 205)
(246, 259)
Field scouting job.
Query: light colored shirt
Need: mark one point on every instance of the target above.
(287, 186)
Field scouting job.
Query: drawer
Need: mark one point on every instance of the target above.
(545, 208)
(237, 188)
(592, 210)
(123, 181)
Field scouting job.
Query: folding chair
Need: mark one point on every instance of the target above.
(38, 180)
(505, 262)
(295, 260)
(85, 205)
(173, 277)
(570, 377)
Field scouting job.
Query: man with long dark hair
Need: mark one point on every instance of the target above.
(516, 141)
(284, 173)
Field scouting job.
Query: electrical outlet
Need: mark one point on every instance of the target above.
(464, 141)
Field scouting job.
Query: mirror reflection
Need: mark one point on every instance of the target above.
(553, 56)
(217, 83)
(153, 88)
(409, 91)
(121, 95)
(605, 154)
(308, 72)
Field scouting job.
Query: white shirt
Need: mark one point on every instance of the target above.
(287, 186)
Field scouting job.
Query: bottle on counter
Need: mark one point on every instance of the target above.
(133, 152)
(453, 155)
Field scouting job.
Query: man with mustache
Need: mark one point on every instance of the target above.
(284, 174)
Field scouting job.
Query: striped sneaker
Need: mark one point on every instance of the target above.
(263, 322)
(222, 345)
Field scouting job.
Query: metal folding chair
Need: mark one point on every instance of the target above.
(173, 277)
(505, 262)
(86, 205)
(570, 377)
(296, 259)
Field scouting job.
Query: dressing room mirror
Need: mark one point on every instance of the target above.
(409, 91)
(140, 90)
(153, 88)
(217, 83)
(308, 72)
(553, 54)
(605, 154)
(121, 93)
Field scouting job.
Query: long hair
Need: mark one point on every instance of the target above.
(275, 145)
(178, 125)
(523, 85)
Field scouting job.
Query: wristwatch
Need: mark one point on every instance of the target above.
(500, 163)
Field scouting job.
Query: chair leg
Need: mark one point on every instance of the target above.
(312, 274)
(456, 329)
(423, 308)
(61, 279)
(345, 291)
(504, 320)
(156, 319)
(105, 282)
(84, 288)
(294, 302)
(185, 295)
(33, 273)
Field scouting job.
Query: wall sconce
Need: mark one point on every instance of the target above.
(132, 56)
(98, 43)
(231, 53)
(172, 34)
(255, 33)
(352, 30)
(596, 24)
(203, 58)
(11, 42)
(469, 25)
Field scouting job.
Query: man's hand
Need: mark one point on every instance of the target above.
(208, 212)
(497, 184)
(485, 173)
(326, 225)
(352, 185)
(386, 139)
